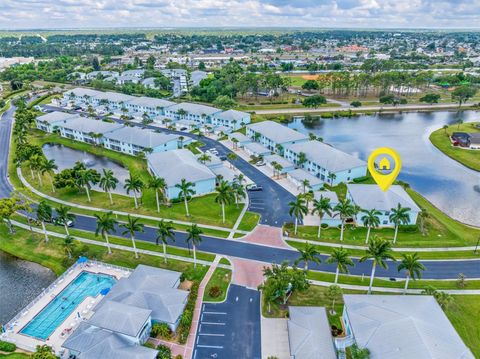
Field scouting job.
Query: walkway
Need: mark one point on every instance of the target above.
(247, 273)
(266, 235)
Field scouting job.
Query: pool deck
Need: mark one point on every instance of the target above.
(72, 321)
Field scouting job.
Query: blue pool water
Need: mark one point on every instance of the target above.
(86, 284)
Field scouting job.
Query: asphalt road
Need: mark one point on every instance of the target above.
(235, 248)
(230, 329)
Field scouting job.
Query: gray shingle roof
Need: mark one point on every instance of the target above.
(331, 158)
(93, 343)
(277, 132)
(370, 196)
(121, 318)
(56, 116)
(399, 327)
(231, 115)
(256, 148)
(150, 288)
(279, 159)
(141, 137)
(150, 102)
(309, 334)
(300, 175)
(175, 165)
(87, 125)
(194, 108)
(240, 137)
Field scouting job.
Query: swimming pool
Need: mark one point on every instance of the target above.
(84, 285)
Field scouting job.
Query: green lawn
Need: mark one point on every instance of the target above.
(32, 247)
(249, 221)
(15, 356)
(464, 313)
(469, 158)
(221, 278)
(202, 209)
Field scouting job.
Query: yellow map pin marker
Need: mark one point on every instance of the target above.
(384, 173)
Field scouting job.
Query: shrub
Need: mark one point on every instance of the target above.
(324, 225)
(161, 330)
(215, 291)
(164, 352)
(361, 179)
(7, 347)
(178, 357)
(355, 104)
(412, 228)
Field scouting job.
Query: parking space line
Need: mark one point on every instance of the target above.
(211, 335)
(213, 323)
(221, 313)
(210, 346)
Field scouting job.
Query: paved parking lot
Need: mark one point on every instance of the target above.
(231, 329)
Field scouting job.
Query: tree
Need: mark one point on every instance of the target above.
(44, 352)
(321, 207)
(204, 157)
(355, 104)
(359, 353)
(284, 281)
(379, 250)
(463, 93)
(430, 98)
(398, 216)
(131, 227)
(387, 99)
(411, 265)
(44, 214)
(232, 157)
(305, 185)
(302, 158)
(298, 209)
(158, 185)
(8, 207)
(443, 299)
(341, 258)
(108, 182)
(345, 210)
(224, 102)
(422, 217)
(310, 85)
(87, 178)
(134, 184)
(68, 246)
(224, 196)
(105, 225)
(47, 167)
(333, 293)
(164, 232)
(64, 216)
(461, 282)
(185, 192)
(309, 253)
(194, 237)
(371, 219)
(314, 101)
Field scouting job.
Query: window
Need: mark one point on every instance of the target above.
(385, 222)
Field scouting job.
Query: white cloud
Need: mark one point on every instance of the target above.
(248, 13)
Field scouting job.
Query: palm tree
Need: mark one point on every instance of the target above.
(68, 245)
(158, 185)
(445, 128)
(379, 250)
(86, 179)
(194, 237)
(308, 254)
(35, 162)
(47, 167)
(204, 157)
(412, 266)
(108, 182)
(422, 216)
(340, 256)
(345, 209)
(371, 219)
(44, 214)
(164, 232)
(232, 157)
(105, 225)
(238, 191)
(134, 184)
(302, 158)
(399, 216)
(64, 216)
(332, 176)
(298, 209)
(185, 192)
(321, 207)
(224, 196)
(131, 227)
(305, 185)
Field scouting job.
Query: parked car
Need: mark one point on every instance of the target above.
(55, 221)
(254, 188)
(260, 163)
(223, 158)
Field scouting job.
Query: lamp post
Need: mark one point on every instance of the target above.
(476, 246)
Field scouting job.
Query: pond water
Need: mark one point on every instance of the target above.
(66, 157)
(449, 185)
(20, 282)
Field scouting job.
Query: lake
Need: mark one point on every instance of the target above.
(450, 186)
(66, 157)
(20, 282)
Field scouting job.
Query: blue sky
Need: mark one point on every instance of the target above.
(17, 14)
